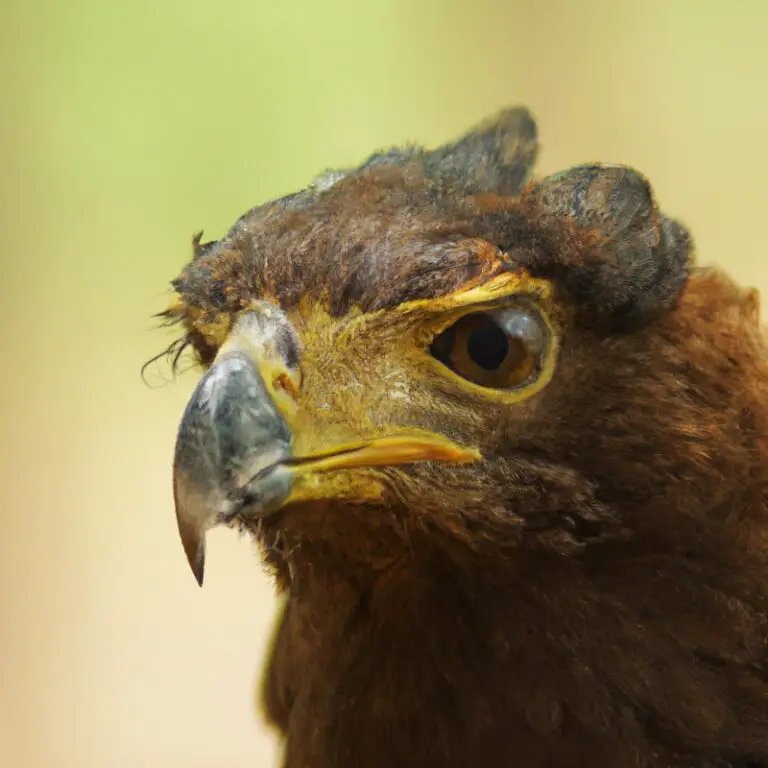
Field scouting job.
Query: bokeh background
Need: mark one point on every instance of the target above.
(125, 127)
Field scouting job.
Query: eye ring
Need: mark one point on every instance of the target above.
(499, 349)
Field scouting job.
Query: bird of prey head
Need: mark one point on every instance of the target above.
(505, 448)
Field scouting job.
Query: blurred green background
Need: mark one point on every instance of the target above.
(127, 126)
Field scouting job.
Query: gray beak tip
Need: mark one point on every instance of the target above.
(194, 548)
(192, 536)
(198, 568)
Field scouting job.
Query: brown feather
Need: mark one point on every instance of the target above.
(595, 591)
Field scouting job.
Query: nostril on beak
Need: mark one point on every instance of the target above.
(285, 383)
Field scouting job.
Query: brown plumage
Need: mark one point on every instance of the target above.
(574, 571)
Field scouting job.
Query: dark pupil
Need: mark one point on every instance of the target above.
(488, 346)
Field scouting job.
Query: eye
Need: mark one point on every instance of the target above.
(500, 349)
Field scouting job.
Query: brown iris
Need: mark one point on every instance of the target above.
(499, 349)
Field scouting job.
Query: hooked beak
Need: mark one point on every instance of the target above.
(234, 455)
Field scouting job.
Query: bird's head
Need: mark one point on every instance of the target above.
(433, 355)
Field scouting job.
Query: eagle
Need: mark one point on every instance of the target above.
(503, 445)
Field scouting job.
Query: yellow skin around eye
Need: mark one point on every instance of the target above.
(494, 294)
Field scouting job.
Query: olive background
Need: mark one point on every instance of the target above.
(127, 126)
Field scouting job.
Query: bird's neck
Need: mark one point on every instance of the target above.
(419, 667)
(414, 670)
